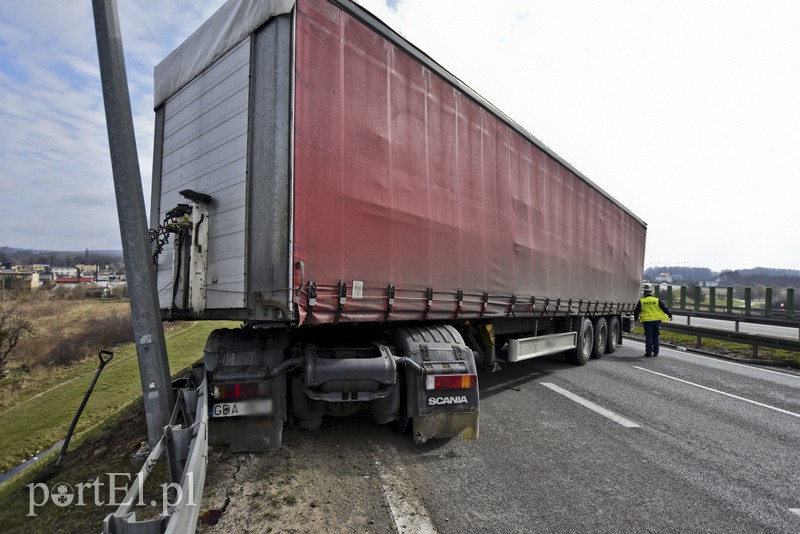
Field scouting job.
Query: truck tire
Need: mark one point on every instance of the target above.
(584, 344)
(613, 334)
(600, 337)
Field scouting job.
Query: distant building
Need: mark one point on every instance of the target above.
(74, 280)
(663, 277)
(64, 271)
(13, 274)
(84, 268)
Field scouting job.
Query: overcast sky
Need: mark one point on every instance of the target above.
(687, 112)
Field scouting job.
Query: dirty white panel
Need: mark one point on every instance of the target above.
(205, 149)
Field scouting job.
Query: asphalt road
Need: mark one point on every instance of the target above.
(687, 444)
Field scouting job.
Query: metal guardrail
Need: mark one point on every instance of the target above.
(695, 300)
(774, 320)
(187, 457)
(756, 340)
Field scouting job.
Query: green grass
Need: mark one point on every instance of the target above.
(37, 420)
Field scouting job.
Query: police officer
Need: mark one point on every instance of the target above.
(650, 311)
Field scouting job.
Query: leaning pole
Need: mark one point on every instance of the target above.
(148, 331)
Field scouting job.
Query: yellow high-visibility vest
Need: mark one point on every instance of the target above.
(651, 311)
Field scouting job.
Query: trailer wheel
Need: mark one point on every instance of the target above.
(585, 342)
(600, 337)
(613, 334)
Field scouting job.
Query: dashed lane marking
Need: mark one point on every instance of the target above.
(592, 406)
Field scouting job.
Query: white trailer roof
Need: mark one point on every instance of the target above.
(234, 21)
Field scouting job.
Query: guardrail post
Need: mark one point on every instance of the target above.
(669, 297)
(748, 300)
(790, 303)
(712, 296)
(767, 302)
(683, 297)
(729, 304)
(698, 296)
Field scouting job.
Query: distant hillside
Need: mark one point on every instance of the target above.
(761, 276)
(63, 258)
(741, 277)
(689, 274)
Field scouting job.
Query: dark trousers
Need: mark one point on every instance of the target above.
(651, 332)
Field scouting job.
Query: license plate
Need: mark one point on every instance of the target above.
(238, 409)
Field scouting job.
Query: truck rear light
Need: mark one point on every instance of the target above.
(236, 391)
(451, 381)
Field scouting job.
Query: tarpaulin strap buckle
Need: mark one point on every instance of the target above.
(342, 300)
(390, 302)
(460, 300)
(428, 301)
(510, 311)
(312, 300)
(485, 302)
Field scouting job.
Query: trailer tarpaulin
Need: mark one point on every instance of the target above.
(403, 180)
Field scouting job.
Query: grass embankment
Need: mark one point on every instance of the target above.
(39, 417)
(725, 348)
(40, 393)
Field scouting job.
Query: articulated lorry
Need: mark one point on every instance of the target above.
(381, 231)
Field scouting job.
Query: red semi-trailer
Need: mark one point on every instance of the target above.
(378, 227)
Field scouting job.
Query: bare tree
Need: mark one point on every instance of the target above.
(12, 327)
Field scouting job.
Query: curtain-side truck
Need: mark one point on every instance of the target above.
(379, 229)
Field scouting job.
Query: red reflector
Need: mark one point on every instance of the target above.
(451, 381)
(238, 391)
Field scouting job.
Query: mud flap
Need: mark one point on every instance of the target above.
(442, 398)
(445, 425)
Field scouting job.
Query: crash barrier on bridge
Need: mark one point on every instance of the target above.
(719, 304)
(738, 319)
(186, 446)
(755, 340)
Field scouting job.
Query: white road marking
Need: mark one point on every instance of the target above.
(748, 366)
(723, 360)
(592, 406)
(795, 510)
(409, 514)
(721, 392)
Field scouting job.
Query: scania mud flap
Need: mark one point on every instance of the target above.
(442, 398)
